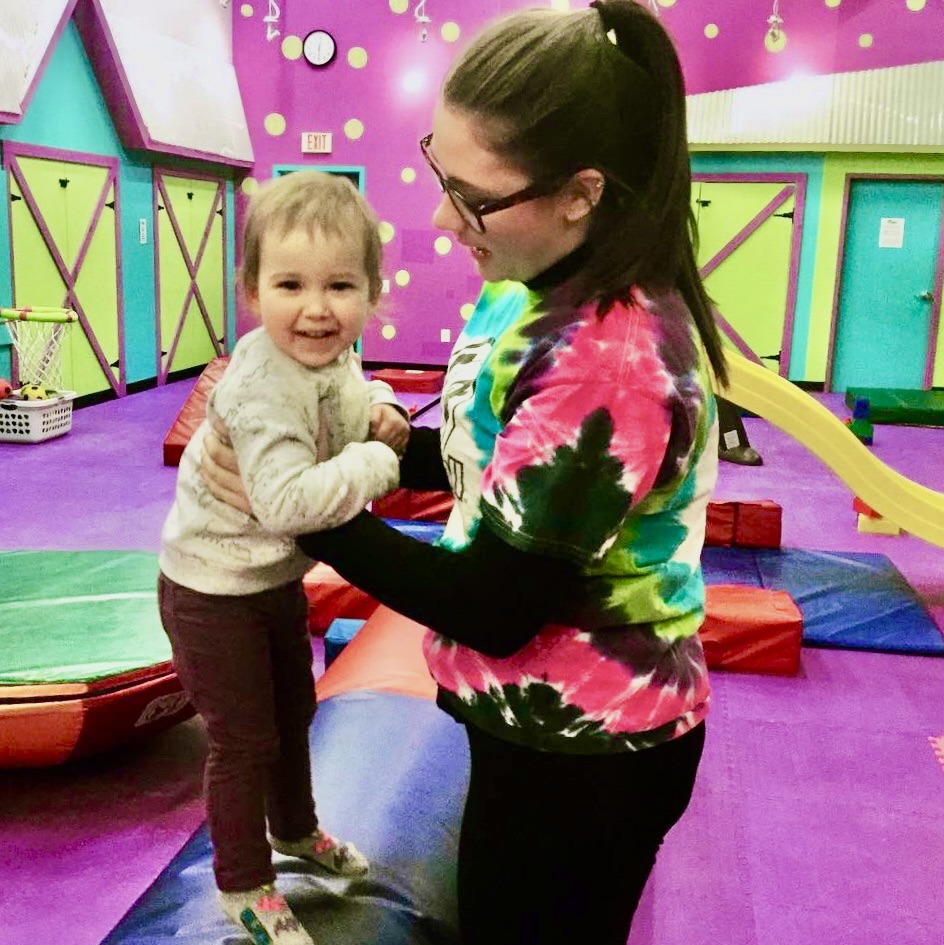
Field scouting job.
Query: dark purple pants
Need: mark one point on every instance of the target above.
(246, 663)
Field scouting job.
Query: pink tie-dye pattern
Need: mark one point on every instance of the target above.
(553, 415)
(604, 690)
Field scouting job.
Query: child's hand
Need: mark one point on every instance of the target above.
(389, 426)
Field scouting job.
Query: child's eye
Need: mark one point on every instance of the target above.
(291, 285)
(342, 286)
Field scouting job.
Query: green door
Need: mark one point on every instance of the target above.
(190, 262)
(64, 249)
(745, 240)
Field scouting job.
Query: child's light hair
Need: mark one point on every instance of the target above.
(314, 201)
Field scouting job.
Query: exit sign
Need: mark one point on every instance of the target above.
(316, 142)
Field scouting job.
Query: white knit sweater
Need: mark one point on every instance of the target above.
(299, 435)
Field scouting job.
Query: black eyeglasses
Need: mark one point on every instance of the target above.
(472, 213)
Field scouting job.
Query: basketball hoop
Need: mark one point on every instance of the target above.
(37, 335)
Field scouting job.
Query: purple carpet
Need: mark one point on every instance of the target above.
(817, 816)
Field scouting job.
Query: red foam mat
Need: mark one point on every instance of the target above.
(405, 379)
(193, 411)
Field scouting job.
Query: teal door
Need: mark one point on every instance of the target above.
(888, 293)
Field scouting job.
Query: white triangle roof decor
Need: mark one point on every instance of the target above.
(27, 31)
(167, 74)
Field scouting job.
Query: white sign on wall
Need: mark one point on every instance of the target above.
(891, 233)
(316, 142)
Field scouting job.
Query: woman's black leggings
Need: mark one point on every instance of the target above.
(557, 848)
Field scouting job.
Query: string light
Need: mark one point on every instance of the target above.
(419, 14)
(776, 37)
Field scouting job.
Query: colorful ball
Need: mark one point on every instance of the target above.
(6, 388)
(33, 392)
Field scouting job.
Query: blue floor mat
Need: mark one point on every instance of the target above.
(390, 774)
(852, 600)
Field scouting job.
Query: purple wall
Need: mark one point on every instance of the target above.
(393, 97)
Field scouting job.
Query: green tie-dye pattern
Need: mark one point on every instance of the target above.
(549, 517)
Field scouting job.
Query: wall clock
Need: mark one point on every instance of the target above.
(319, 48)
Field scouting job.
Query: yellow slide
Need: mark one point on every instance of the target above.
(913, 507)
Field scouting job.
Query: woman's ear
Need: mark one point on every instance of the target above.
(583, 192)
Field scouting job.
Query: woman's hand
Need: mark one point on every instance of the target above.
(389, 426)
(220, 470)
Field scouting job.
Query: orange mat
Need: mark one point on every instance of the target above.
(386, 654)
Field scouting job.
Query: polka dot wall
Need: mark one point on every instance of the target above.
(373, 100)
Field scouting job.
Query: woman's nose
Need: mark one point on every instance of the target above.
(446, 217)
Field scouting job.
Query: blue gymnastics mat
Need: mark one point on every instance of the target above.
(390, 774)
(854, 600)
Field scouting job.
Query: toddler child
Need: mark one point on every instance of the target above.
(299, 412)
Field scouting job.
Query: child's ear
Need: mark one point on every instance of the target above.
(251, 295)
(583, 192)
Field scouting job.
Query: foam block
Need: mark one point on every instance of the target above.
(758, 524)
(750, 524)
(330, 597)
(340, 633)
(876, 525)
(752, 630)
(415, 504)
(424, 382)
(192, 413)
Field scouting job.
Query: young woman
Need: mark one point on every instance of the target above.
(579, 438)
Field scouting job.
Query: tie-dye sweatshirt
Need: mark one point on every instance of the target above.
(591, 439)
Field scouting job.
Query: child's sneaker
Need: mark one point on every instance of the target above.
(339, 857)
(265, 915)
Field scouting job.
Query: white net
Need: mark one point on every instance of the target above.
(37, 341)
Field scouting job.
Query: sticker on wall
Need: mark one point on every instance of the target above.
(443, 245)
(274, 124)
(891, 233)
(354, 128)
(292, 48)
(408, 175)
(357, 57)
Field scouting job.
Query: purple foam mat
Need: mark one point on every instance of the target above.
(816, 817)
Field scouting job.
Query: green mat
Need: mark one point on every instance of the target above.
(920, 408)
(78, 616)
